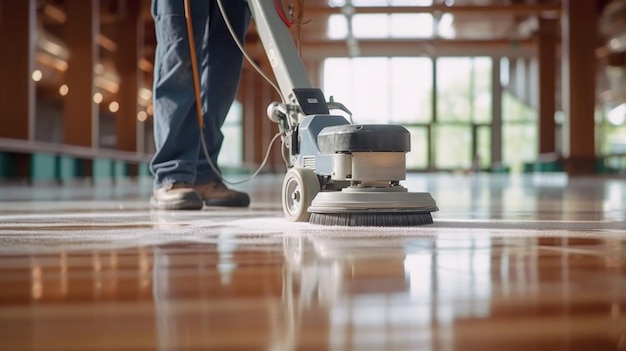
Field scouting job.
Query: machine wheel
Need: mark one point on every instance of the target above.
(299, 188)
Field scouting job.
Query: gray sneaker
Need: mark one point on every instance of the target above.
(176, 196)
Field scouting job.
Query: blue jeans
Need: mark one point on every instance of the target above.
(179, 156)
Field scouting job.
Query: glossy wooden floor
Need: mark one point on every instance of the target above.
(511, 263)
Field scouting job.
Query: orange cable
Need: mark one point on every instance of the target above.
(194, 63)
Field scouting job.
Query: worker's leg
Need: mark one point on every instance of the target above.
(176, 131)
(221, 70)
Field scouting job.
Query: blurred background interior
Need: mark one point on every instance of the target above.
(517, 114)
(506, 86)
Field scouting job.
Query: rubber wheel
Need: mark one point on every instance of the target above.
(300, 186)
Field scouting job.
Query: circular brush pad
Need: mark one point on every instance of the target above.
(372, 219)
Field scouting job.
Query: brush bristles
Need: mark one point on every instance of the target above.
(373, 219)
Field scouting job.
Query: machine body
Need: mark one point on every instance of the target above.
(339, 173)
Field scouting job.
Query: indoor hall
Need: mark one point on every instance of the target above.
(516, 121)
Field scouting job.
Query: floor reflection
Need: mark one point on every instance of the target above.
(528, 263)
(432, 292)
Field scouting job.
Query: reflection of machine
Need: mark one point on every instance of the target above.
(340, 173)
(332, 284)
(325, 268)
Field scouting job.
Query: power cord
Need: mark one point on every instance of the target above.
(231, 30)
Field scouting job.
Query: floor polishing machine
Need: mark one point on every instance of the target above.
(339, 173)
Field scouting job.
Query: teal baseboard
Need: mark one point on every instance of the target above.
(44, 167)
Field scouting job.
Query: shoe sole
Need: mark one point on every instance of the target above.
(228, 203)
(176, 205)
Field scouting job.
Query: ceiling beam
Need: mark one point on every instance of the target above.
(518, 9)
(411, 48)
(548, 9)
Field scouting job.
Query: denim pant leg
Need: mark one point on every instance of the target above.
(176, 131)
(221, 71)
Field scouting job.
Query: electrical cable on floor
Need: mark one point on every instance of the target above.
(258, 170)
(194, 65)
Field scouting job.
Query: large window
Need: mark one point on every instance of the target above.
(464, 96)
(613, 140)
(453, 147)
(386, 90)
(418, 157)
(231, 155)
(396, 25)
(482, 159)
(372, 26)
(519, 131)
(464, 89)
(457, 132)
(410, 90)
(381, 90)
(339, 3)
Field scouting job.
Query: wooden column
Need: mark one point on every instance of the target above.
(129, 132)
(579, 37)
(267, 94)
(249, 92)
(17, 88)
(314, 72)
(546, 52)
(130, 42)
(81, 123)
(17, 62)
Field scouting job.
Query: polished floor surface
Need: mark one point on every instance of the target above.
(511, 263)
